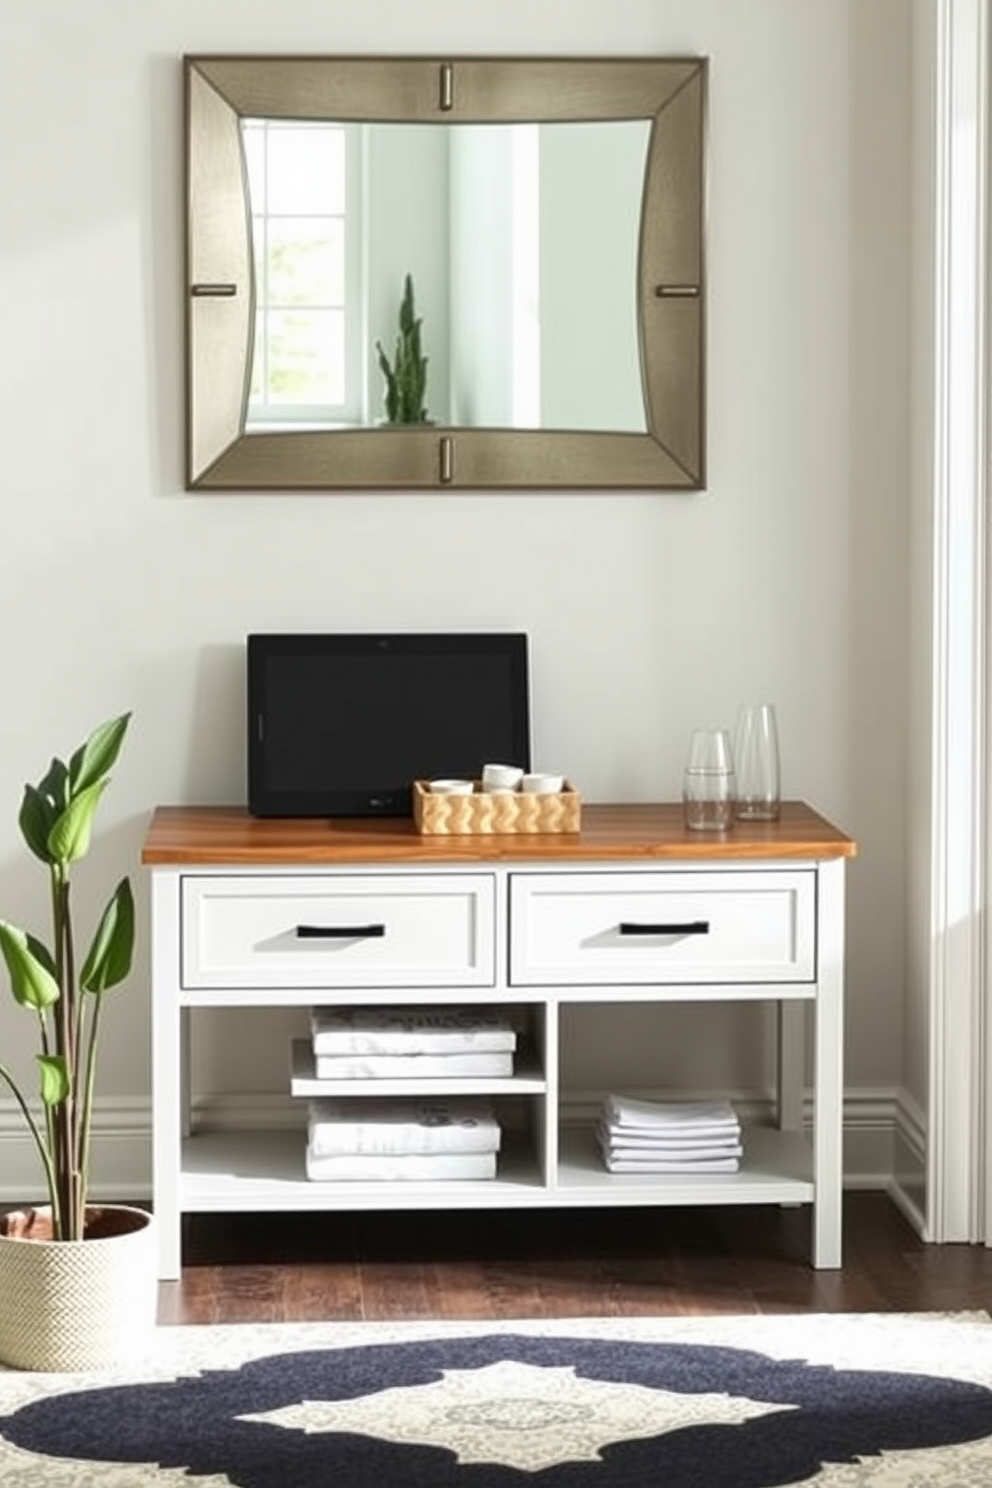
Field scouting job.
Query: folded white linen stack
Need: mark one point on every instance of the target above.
(640, 1136)
(400, 1167)
(355, 1043)
(401, 1138)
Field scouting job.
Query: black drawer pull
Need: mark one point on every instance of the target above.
(340, 932)
(670, 927)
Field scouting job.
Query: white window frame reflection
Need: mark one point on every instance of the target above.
(264, 411)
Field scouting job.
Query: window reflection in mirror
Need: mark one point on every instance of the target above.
(303, 192)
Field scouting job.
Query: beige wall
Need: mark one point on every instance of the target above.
(647, 614)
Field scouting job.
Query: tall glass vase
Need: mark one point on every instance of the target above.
(756, 757)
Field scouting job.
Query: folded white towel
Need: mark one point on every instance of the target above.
(409, 1066)
(675, 1161)
(409, 1030)
(400, 1167)
(661, 1163)
(398, 1124)
(678, 1152)
(653, 1138)
(687, 1115)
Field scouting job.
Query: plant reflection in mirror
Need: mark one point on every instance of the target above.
(406, 378)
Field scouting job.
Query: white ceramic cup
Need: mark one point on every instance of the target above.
(451, 787)
(542, 785)
(501, 778)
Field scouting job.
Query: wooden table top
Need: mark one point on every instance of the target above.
(651, 831)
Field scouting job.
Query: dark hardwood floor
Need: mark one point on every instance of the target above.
(567, 1263)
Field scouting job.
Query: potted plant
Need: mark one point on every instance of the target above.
(406, 377)
(77, 1280)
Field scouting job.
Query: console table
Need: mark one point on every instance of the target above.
(633, 908)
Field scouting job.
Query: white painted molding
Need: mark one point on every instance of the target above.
(907, 1187)
(956, 1160)
(121, 1153)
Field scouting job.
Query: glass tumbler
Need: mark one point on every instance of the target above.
(757, 762)
(708, 784)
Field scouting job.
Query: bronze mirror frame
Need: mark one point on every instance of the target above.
(223, 456)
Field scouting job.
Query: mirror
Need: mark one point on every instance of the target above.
(523, 237)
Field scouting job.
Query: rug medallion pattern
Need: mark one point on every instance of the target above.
(746, 1402)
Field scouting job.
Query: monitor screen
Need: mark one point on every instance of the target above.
(341, 725)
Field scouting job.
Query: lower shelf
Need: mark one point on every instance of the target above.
(776, 1169)
(247, 1171)
(265, 1170)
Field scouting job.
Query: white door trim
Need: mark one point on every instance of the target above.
(960, 1065)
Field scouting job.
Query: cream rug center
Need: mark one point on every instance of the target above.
(522, 1416)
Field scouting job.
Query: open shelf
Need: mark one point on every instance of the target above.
(234, 1171)
(775, 1169)
(264, 1170)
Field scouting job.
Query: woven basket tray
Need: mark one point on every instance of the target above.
(516, 811)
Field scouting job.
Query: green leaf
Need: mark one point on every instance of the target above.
(55, 1082)
(54, 784)
(109, 958)
(32, 979)
(69, 838)
(94, 759)
(36, 821)
(41, 954)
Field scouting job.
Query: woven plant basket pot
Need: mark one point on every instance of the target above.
(77, 1305)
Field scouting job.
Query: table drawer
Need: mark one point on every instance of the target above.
(324, 930)
(655, 927)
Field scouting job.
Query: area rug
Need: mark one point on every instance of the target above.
(843, 1401)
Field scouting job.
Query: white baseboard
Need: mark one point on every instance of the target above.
(908, 1186)
(884, 1141)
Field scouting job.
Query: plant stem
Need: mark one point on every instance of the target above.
(82, 1092)
(87, 1103)
(74, 1017)
(64, 1114)
(50, 1133)
(43, 1151)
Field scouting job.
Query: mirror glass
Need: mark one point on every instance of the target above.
(521, 245)
(471, 273)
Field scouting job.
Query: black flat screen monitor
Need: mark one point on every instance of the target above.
(342, 725)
